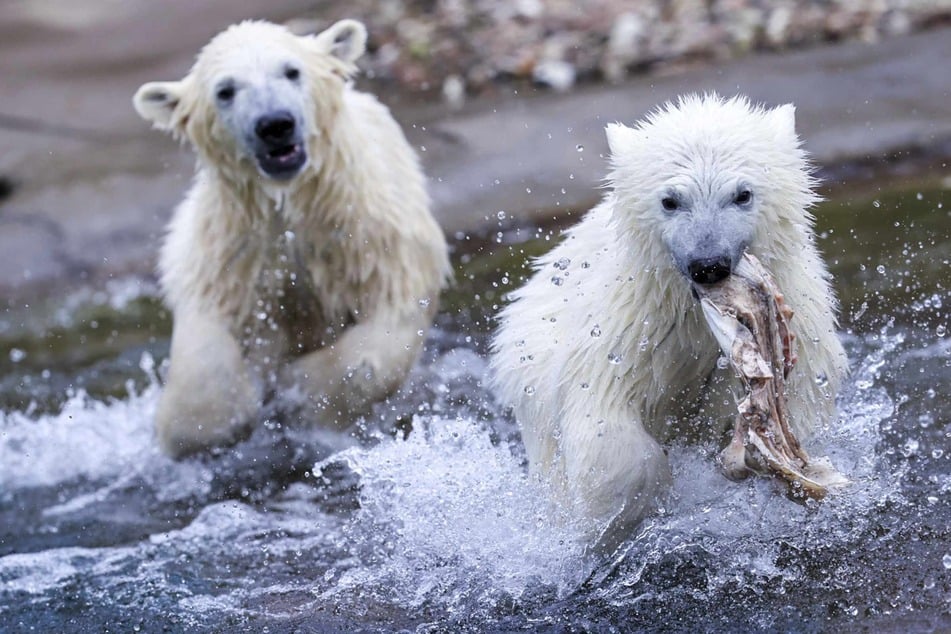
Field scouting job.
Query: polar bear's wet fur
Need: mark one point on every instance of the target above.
(304, 259)
(604, 354)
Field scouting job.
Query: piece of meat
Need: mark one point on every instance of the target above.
(750, 320)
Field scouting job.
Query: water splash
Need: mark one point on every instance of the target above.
(447, 516)
(444, 525)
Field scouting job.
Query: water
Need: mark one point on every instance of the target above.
(423, 518)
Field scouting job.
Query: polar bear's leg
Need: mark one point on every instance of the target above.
(210, 397)
(367, 363)
(614, 473)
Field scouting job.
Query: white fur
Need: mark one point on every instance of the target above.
(319, 285)
(604, 353)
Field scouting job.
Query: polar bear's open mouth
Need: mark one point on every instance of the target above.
(751, 321)
(282, 162)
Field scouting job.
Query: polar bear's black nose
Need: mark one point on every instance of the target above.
(709, 270)
(277, 127)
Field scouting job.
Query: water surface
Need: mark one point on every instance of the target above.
(423, 518)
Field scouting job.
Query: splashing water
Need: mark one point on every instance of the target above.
(444, 526)
(448, 516)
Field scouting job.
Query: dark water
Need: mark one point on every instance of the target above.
(439, 529)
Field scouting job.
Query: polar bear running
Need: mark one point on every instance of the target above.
(605, 355)
(304, 258)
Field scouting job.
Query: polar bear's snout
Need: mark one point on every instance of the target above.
(710, 270)
(276, 128)
(279, 147)
(706, 243)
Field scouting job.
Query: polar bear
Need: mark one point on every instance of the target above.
(604, 354)
(304, 259)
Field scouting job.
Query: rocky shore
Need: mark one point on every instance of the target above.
(462, 48)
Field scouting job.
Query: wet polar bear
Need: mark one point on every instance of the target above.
(604, 354)
(304, 258)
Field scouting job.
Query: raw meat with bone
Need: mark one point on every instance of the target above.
(750, 320)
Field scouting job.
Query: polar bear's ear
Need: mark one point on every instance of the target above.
(156, 102)
(345, 40)
(783, 120)
(621, 139)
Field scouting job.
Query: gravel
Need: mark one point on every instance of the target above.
(461, 48)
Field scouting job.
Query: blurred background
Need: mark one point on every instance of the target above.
(86, 187)
(506, 103)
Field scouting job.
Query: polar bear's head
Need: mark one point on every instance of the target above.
(708, 178)
(258, 97)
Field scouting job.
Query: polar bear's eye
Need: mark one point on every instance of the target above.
(225, 93)
(669, 203)
(292, 73)
(743, 197)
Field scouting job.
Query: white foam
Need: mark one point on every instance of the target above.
(88, 438)
(447, 515)
(109, 442)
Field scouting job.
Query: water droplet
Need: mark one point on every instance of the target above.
(937, 453)
(881, 269)
(614, 358)
(562, 264)
(919, 196)
(822, 380)
(529, 390)
(424, 302)
(910, 448)
(579, 148)
(723, 363)
(643, 343)
(941, 330)
(557, 281)
(876, 204)
(946, 560)
(585, 386)
(596, 331)
(500, 215)
(17, 355)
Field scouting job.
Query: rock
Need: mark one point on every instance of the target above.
(454, 91)
(624, 45)
(557, 74)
